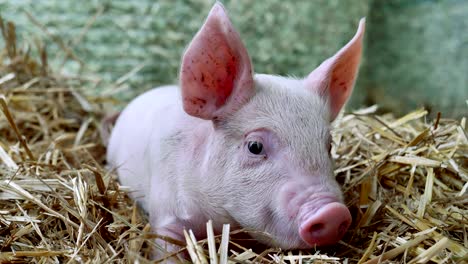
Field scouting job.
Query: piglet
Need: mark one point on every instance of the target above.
(251, 150)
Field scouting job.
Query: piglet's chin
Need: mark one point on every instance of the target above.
(284, 237)
(314, 225)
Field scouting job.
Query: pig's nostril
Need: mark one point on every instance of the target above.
(316, 228)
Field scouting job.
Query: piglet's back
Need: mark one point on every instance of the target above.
(133, 143)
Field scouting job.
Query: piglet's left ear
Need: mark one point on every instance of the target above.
(334, 79)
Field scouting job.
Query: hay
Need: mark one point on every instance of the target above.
(405, 181)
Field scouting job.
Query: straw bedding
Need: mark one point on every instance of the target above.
(405, 181)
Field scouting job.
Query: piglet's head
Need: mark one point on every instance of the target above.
(267, 163)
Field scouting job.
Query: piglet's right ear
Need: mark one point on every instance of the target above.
(334, 79)
(216, 74)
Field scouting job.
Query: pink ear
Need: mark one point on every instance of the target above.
(216, 74)
(335, 77)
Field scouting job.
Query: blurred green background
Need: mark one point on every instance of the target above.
(416, 51)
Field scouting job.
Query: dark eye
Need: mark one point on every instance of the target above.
(329, 144)
(255, 147)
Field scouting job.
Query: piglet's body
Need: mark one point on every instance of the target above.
(247, 149)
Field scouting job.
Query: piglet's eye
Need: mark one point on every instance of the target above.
(255, 147)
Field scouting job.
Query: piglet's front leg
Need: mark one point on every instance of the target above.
(169, 242)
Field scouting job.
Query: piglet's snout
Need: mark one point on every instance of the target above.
(325, 226)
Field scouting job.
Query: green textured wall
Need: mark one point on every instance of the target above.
(416, 51)
(417, 55)
(283, 37)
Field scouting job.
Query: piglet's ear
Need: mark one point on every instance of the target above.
(216, 74)
(334, 79)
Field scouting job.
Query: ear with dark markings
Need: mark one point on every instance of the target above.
(216, 76)
(334, 78)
